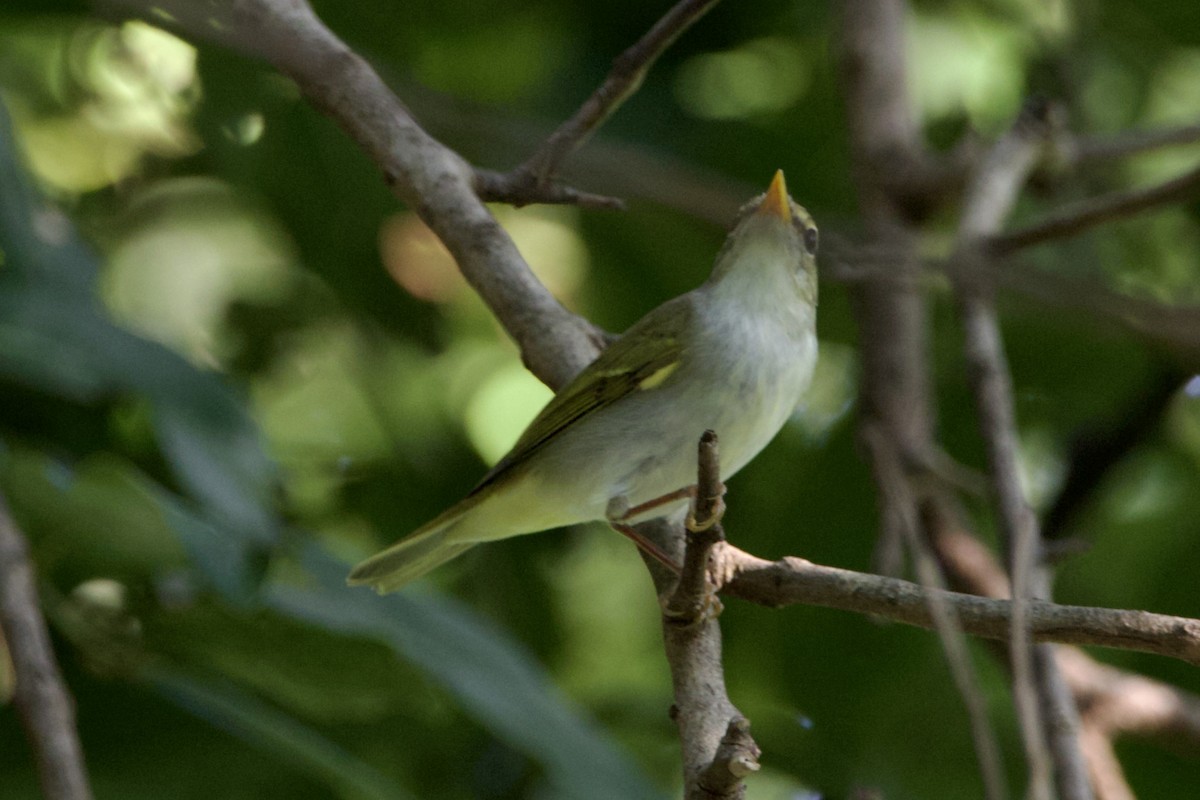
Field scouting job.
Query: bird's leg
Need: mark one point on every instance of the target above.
(619, 511)
(632, 512)
(646, 546)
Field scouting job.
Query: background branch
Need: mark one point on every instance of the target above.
(41, 696)
(898, 181)
(1085, 215)
(1103, 150)
(423, 173)
(891, 477)
(1046, 713)
(628, 71)
(1141, 706)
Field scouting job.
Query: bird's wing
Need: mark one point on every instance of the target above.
(640, 360)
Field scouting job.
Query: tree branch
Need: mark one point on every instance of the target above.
(718, 751)
(793, 581)
(896, 180)
(1173, 327)
(1112, 702)
(874, 72)
(1102, 444)
(427, 176)
(1074, 220)
(46, 707)
(893, 481)
(891, 310)
(1129, 143)
(501, 187)
(1047, 716)
(628, 71)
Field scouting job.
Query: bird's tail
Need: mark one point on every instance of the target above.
(409, 558)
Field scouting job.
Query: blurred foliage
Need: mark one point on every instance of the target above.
(230, 365)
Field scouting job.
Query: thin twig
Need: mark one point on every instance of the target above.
(1102, 444)
(792, 581)
(1114, 702)
(43, 701)
(1074, 220)
(1129, 143)
(628, 71)
(992, 387)
(499, 187)
(430, 178)
(893, 480)
(991, 193)
(1175, 327)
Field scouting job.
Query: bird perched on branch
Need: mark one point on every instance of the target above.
(618, 443)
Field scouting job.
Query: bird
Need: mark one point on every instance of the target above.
(618, 442)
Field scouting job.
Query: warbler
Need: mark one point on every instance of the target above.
(619, 441)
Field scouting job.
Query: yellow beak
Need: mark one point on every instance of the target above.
(776, 199)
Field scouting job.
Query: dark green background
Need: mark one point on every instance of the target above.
(213, 398)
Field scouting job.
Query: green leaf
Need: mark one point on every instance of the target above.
(56, 339)
(269, 728)
(495, 681)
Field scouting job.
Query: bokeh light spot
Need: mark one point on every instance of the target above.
(764, 76)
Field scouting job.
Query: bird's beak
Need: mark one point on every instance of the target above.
(775, 201)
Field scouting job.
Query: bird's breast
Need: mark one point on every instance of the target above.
(759, 374)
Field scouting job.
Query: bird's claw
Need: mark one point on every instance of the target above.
(714, 518)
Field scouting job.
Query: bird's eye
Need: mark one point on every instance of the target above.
(810, 241)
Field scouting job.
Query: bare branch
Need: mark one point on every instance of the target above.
(717, 748)
(1045, 711)
(628, 71)
(891, 310)
(1103, 765)
(1099, 446)
(998, 178)
(1129, 143)
(46, 707)
(498, 187)
(1073, 221)
(792, 581)
(702, 709)
(1116, 702)
(430, 178)
(1112, 702)
(1171, 326)
(893, 481)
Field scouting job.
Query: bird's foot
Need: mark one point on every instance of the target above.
(715, 515)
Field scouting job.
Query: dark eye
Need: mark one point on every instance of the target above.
(810, 241)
